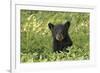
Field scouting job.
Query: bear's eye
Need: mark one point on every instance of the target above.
(61, 32)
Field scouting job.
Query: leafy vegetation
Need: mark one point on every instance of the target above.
(36, 39)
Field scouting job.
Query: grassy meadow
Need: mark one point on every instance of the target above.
(36, 38)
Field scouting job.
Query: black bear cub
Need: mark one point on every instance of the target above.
(61, 38)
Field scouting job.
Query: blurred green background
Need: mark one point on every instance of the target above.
(36, 38)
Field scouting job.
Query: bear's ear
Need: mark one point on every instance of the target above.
(67, 24)
(51, 26)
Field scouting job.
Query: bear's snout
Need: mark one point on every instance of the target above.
(59, 37)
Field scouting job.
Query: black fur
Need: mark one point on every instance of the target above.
(61, 38)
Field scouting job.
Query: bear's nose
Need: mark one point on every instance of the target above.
(59, 37)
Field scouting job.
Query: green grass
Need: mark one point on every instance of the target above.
(36, 39)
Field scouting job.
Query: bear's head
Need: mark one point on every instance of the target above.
(60, 31)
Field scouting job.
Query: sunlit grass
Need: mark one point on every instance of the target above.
(36, 39)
